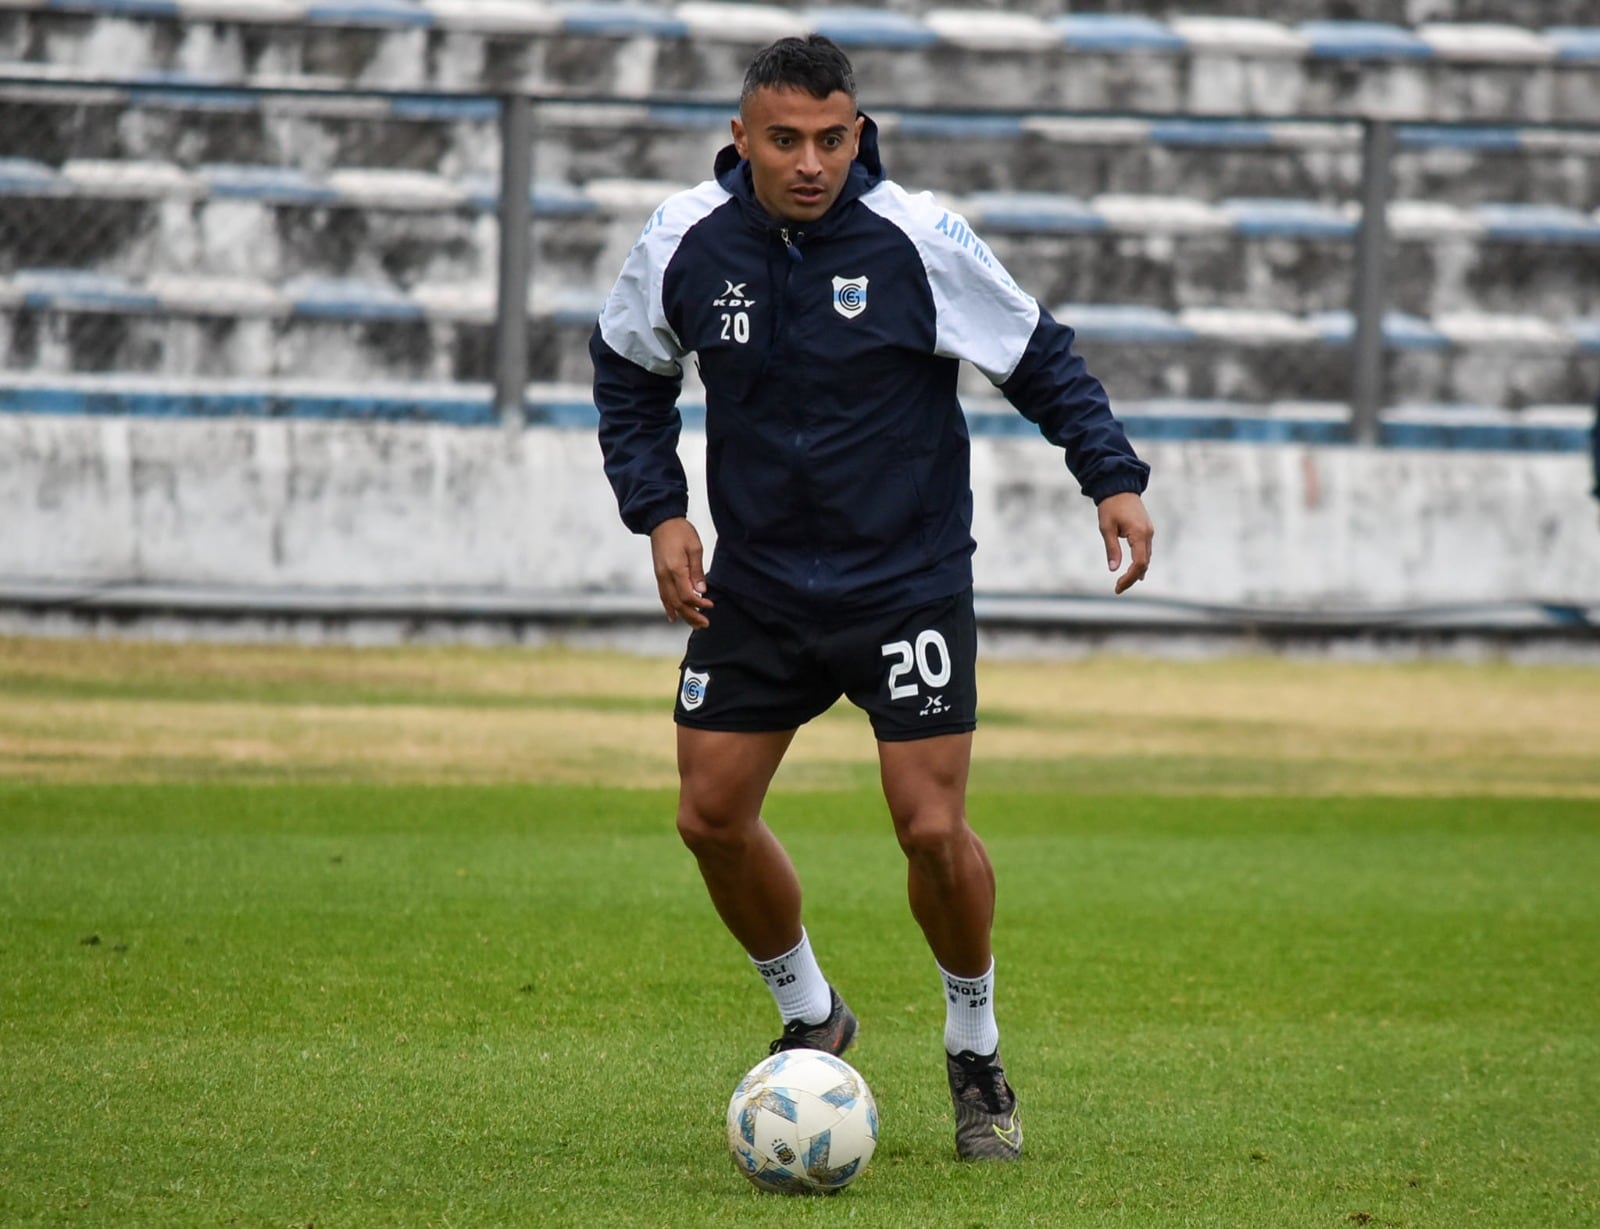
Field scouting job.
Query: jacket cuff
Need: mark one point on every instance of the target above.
(660, 513)
(1122, 484)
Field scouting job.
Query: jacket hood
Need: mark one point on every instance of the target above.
(866, 172)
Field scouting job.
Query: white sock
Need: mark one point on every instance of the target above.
(797, 983)
(969, 1013)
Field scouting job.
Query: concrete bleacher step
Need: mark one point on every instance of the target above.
(50, 118)
(576, 139)
(421, 229)
(1220, 158)
(382, 189)
(73, 320)
(64, 320)
(1292, 255)
(1274, 63)
(1547, 428)
(57, 290)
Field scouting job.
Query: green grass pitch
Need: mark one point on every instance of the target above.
(290, 1004)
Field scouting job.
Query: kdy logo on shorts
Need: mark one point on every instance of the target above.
(849, 296)
(693, 692)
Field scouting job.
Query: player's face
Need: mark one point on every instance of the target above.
(800, 149)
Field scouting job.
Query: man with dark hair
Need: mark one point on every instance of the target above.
(812, 65)
(829, 311)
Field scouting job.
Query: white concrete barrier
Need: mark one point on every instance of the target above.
(309, 506)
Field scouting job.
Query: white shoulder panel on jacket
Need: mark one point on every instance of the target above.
(633, 321)
(982, 315)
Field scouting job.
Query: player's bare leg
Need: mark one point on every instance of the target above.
(949, 879)
(723, 778)
(951, 887)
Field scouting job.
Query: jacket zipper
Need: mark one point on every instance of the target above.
(791, 244)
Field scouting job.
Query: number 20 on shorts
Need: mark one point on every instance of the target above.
(929, 657)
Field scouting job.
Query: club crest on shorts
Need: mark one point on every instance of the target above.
(849, 296)
(693, 692)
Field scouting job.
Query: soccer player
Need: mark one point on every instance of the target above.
(829, 310)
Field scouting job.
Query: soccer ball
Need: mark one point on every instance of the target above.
(802, 1122)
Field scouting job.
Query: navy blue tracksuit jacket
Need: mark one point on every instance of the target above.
(837, 453)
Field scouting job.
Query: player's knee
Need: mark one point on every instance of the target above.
(709, 835)
(932, 837)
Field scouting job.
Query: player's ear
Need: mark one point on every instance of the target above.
(861, 122)
(741, 139)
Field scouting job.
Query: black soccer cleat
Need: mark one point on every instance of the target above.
(988, 1127)
(832, 1036)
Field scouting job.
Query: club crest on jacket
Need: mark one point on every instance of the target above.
(849, 296)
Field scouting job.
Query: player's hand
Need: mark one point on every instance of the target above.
(680, 571)
(1124, 516)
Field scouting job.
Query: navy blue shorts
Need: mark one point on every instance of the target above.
(756, 668)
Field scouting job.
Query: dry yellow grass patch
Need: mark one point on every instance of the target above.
(485, 672)
(99, 710)
(163, 740)
(1419, 718)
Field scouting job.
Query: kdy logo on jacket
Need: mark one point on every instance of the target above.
(849, 296)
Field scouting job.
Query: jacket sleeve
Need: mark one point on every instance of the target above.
(1051, 386)
(639, 427)
(637, 379)
(1594, 444)
(981, 316)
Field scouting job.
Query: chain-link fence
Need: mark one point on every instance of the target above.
(236, 233)
(353, 238)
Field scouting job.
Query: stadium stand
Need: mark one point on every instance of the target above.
(1235, 58)
(196, 189)
(249, 259)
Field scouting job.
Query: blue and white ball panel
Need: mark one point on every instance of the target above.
(788, 1113)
